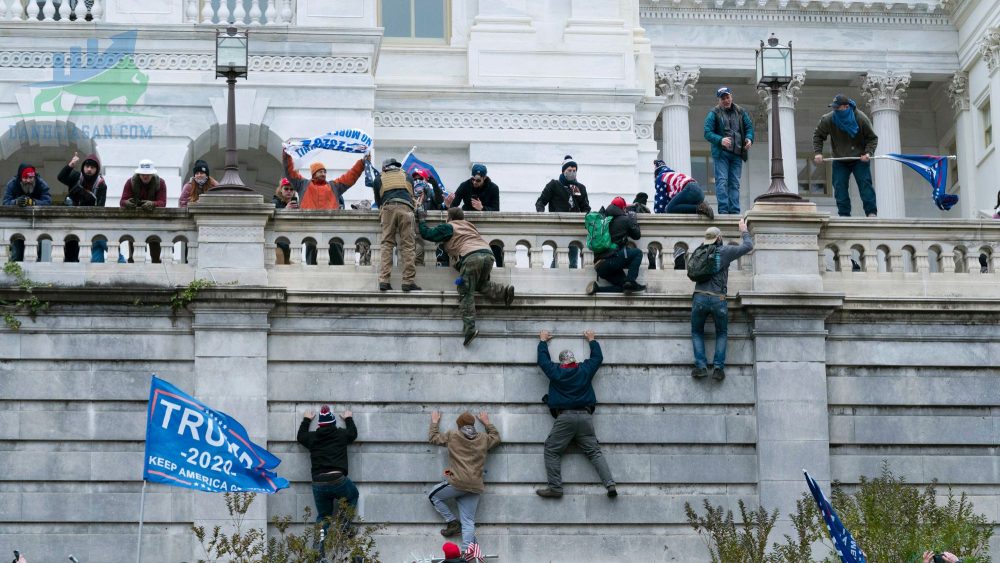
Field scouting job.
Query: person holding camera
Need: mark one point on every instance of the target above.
(620, 265)
(285, 197)
(729, 130)
(571, 400)
(943, 557)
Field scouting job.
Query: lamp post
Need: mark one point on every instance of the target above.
(231, 55)
(774, 70)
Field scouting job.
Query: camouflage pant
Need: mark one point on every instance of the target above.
(476, 277)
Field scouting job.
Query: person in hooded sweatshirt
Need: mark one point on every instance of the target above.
(86, 186)
(199, 184)
(619, 266)
(467, 448)
(327, 447)
(25, 189)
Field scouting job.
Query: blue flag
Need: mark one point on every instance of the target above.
(934, 169)
(847, 548)
(411, 164)
(191, 445)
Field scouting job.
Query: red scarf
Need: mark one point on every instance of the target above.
(569, 365)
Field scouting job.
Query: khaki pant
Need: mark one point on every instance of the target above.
(397, 229)
(418, 244)
(476, 270)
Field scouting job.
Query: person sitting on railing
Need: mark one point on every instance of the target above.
(25, 189)
(473, 257)
(565, 195)
(613, 264)
(316, 192)
(145, 189)
(198, 185)
(677, 192)
(284, 198)
(86, 186)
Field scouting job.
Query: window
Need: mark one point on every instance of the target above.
(414, 19)
(813, 179)
(702, 170)
(984, 115)
(952, 168)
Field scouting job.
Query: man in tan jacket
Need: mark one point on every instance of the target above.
(463, 482)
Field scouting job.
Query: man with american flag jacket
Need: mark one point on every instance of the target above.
(677, 192)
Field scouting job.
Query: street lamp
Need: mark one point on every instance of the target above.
(774, 70)
(231, 55)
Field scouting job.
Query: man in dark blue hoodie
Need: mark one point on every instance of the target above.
(571, 401)
(25, 189)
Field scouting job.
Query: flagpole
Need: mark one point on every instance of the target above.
(142, 507)
(835, 159)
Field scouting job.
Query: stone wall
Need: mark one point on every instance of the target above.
(829, 369)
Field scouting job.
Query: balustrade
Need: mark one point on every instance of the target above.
(240, 12)
(63, 11)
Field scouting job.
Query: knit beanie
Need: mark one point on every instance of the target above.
(479, 170)
(566, 357)
(567, 162)
(451, 551)
(316, 167)
(326, 416)
(641, 197)
(619, 202)
(200, 166)
(658, 163)
(465, 419)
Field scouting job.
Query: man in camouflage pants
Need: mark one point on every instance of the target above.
(471, 255)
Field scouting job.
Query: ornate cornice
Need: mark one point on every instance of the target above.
(989, 48)
(781, 11)
(496, 120)
(175, 61)
(677, 85)
(958, 91)
(885, 90)
(788, 95)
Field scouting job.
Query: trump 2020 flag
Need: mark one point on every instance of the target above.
(191, 445)
(342, 140)
(411, 164)
(847, 548)
(934, 169)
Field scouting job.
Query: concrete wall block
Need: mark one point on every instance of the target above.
(87, 381)
(106, 543)
(123, 346)
(793, 420)
(785, 459)
(725, 468)
(915, 389)
(905, 351)
(791, 381)
(783, 349)
(45, 466)
(91, 424)
(94, 505)
(231, 344)
(888, 429)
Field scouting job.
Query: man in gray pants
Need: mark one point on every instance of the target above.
(571, 401)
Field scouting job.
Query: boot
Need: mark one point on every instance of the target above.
(408, 287)
(706, 210)
(470, 337)
(452, 529)
(384, 286)
(548, 493)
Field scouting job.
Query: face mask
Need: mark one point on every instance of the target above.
(570, 175)
(201, 181)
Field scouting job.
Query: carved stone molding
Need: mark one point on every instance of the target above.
(677, 85)
(239, 233)
(189, 61)
(787, 95)
(644, 131)
(824, 13)
(989, 48)
(958, 91)
(495, 120)
(885, 90)
(783, 241)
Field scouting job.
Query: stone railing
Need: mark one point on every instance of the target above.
(215, 12)
(63, 11)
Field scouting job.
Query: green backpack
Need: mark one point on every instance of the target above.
(704, 263)
(599, 232)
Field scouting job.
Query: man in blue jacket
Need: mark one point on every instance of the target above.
(25, 189)
(571, 400)
(729, 129)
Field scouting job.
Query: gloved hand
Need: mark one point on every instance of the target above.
(148, 205)
(130, 203)
(421, 214)
(21, 201)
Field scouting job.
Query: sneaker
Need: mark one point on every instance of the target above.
(452, 529)
(411, 287)
(592, 288)
(508, 296)
(548, 493)
(612, 491)
(633, 287)
(470, 337)
(705, 209)
(718, 374)
(699, 373)
(872, 215)
(384, 286)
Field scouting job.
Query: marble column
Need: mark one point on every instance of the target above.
(885, 92)
(989, 48)
(677, 86)
(958, 93)
(787, 96)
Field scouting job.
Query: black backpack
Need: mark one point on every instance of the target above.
(704, 262)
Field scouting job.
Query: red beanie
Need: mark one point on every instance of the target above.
(451, 551)
(619, 202)
(27, 172)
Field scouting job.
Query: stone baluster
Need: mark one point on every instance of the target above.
(138, 252)
(947, 259)
(270, 13)
(562, 257)
(286, 11)
(885, 92)
(677, 86)
(191, 11)
(510, 256)
(844, 261)
(207, 13)
(48, 10)
(167, 253)
(225, 15)
(4, 252)
(97, 11)
(239, 13)
(6, 13)
(57, 252)
(972, 264)
(870, 260)
(536, 259)
(787, 97)
(922, 262)
(958, 93)
(31, 251)
(255, 12)
(32, 11)
(64, 10)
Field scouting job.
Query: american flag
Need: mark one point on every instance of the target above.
(473, 553)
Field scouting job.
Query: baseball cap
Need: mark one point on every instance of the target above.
(723, 91)
(839, 100)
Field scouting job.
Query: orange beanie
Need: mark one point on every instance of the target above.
(315, 167)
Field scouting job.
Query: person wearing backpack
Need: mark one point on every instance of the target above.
(614, 260)
(709, 268)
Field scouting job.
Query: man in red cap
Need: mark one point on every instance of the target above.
(327, 447)
(620, 265)
(25, 189)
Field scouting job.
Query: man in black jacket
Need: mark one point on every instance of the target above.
(328, 454)
(565, 195)
(478, 193)
(612, 264)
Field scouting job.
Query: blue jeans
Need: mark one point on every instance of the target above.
(686, 200)
(862, 171)
(327, 498)
(613, 268)
(467, 504)
(97, 250)
(728, 169)
(701, 307)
